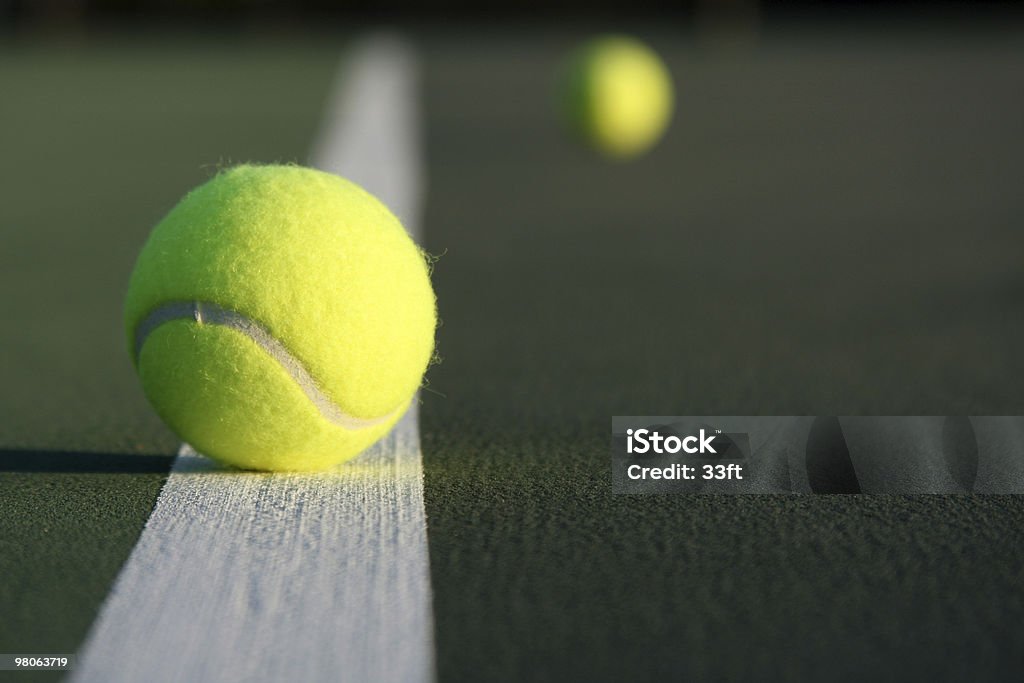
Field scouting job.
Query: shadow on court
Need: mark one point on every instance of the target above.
(14, 460)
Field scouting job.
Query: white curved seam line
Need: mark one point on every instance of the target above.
(204, 313)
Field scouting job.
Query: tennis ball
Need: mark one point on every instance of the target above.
(616, 94)
(280, 318)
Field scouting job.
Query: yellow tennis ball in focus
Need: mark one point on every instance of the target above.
(280, 318)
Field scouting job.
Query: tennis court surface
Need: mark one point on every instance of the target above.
(830, 227)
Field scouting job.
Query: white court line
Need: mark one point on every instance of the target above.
(377, 143)
(292, 577)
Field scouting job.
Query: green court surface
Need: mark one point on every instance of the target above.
(832, 226)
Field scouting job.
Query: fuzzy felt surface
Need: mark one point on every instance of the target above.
(232, 399)
(315, 260)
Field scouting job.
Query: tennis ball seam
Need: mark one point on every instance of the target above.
(206, 313)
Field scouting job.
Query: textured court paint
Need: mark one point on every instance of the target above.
(205, 313)
(268, 577)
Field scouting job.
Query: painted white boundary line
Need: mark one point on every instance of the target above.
(285, 577)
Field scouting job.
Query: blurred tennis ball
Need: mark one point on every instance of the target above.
(616, 94)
